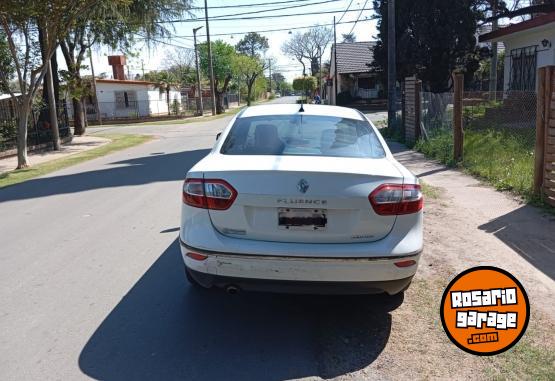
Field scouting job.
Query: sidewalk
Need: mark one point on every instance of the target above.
(481, 226)
(77, 145)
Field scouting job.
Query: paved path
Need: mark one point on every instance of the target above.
(78, 144)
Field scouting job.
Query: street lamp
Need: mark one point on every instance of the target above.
(200, 110)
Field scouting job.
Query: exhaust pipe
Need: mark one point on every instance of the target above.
(232, 290)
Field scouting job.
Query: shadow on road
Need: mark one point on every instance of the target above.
(165, 329)
(529, 234)
(137, 171)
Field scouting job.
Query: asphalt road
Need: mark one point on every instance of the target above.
(92, 284)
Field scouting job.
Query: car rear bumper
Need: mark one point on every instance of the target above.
(391, 287)
(307, 274)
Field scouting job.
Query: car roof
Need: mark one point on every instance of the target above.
(309, 109)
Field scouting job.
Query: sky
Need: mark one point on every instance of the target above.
(156, 57)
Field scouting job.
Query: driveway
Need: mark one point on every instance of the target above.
(92, 286)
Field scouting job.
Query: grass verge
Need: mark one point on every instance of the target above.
(502, 158)
(118, 143)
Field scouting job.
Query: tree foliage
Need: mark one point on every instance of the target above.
(433, 38)
(222, 62)
(349, 37)
(247, 69)
(253, 45)
(305, 84)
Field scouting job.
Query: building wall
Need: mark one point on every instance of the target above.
(141, 100)
(545, 56)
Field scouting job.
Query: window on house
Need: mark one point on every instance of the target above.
(523, 69)
(126, 99)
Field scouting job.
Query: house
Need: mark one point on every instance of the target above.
(123, 98)
(353, 75)
(529, 45)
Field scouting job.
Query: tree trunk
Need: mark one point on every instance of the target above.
(168, 100)
(219, 103)
(249, 94)
(23, 117)
(78, 116)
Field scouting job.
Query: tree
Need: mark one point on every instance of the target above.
(305, 84)
(253, 45)
(114, 25)
(163, 81)
(309, 46)
(222, 63)
(20, 21)
(349, 37)
(181, 63)
(434, 37)
(248, 69)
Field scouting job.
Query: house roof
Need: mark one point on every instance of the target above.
(536, 22)
(354, 57)
(125, 82)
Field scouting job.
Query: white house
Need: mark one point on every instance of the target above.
(122, 97)
(132, 99)
(529, 45)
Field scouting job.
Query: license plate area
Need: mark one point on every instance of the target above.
(302, 219)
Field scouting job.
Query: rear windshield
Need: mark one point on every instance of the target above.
(306, 135)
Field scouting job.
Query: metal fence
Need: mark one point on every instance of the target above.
(39, 130)
(151, 109)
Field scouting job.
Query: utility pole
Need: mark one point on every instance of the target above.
(210, 67)
(335, 63)
(320, 70)
(200, 111)
(493, 63)
(51, 98)
(143, 68)
(98, 116)
(391, 64)
(270, 68)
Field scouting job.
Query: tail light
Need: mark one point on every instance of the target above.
(396, 199)
(208, 194)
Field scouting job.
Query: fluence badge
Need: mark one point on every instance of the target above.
(485, 310)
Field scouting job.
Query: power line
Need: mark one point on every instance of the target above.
(273, 30)
(343, 15)
(257, 17)
(252, 5)
(273, 9)
(358, 18)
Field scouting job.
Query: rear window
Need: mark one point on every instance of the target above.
(305, 135)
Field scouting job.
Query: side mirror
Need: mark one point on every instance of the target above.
(218, 135)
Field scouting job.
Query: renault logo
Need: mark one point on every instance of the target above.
(302, 186)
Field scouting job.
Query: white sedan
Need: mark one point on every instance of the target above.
(301, 199)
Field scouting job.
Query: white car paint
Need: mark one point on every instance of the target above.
(357, 245)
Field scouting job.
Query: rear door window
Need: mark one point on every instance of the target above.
(305, 135)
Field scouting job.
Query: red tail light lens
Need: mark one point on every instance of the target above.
(208, 194)
(197, 256)
(396, 199)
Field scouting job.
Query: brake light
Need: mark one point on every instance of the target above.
(197, 256)
(208, 194)
(396, 199)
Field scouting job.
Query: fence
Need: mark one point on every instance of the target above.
(150, 109)
(39, 131)
(495, 135)
(544, 176)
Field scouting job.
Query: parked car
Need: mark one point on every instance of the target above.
(301, 200)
